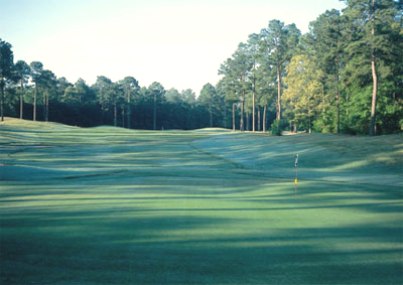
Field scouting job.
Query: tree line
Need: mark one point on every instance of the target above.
(343, 76)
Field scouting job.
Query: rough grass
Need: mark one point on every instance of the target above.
(113, 206)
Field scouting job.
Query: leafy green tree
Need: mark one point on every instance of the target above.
(304, 91)
(157, 92)
(227, 85)
(374, 40)
(23, 72)
(48, 85)
(188, 96)
(105, 91)
(278, 43)
(208, 98)
(173, 96)
(327, 44)
(6, 66)
(78, 94)
(253, 45)
(236, 71)
(36, 73)
(131, 88)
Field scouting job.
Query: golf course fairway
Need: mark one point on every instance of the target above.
(115, 206)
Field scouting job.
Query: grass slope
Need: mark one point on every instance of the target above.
(113, 206)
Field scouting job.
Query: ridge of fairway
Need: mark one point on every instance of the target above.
(108, 205)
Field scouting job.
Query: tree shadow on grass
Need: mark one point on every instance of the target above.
(110, 245)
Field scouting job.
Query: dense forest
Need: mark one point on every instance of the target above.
(344, 76)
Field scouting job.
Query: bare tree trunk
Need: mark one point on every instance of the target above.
(155, 113)
(123, 116)
(241, 123)
(278, 107)
(46, 107)
(115, 114)
(264, 117)
(22, 100)
(247, 121)
(128, 113)
(2, 83)
(338, 108)
(372, 126)
(253, 106)
(233, 116)
(211, 114)
(34, 103)
(258, 119)
(225, 115)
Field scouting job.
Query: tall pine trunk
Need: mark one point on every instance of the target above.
(115, 114)
(372, 125)
(224, 114)
(34, 103)
(258, 119)
(2, 98)
(123, 116)
(247, 120)
(241, 122)
(337, 107)
(211, 114)
(46, 99)
(155, 113)
(253, 105)
(278, 107)
(22, 100)
(128, 112)
(264, 117)
(233, 116)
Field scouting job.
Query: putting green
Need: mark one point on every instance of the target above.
(114, 206)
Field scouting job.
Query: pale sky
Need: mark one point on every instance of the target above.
(178, 43)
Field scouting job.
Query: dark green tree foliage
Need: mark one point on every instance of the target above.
(354, 59)
(156, 95)
(131, 89)
(22, 73)
(208, 98)
(106, 97)
(6, 66)
(374, 53)
(48, 85)
(325, 43)
(36, 73)
(279, 42)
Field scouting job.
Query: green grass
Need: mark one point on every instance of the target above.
(112, 206)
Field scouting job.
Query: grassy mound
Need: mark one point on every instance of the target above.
(115, 206)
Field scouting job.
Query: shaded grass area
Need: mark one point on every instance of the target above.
(112, 206)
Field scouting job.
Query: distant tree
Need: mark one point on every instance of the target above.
(253, 49)
(157, 93)
(304, 91)
(236, 71)
(23, 72)
(325, 42)
(173, 96)
(48, 84)
(131, 88)
(36, 73)
(374, 44)
(227, 85)
(208, 97)
(278, 43)
(106, 94)
(6, 66)
(188, 96)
